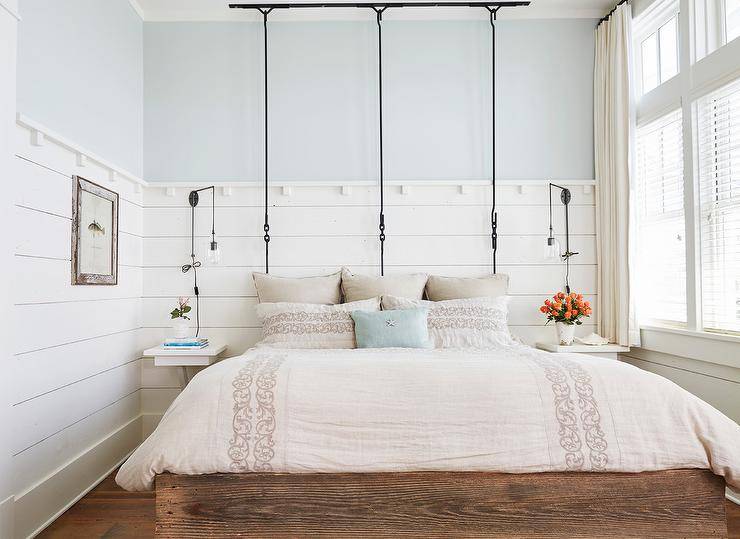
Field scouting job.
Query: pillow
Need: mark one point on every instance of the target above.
(462, 323)
(357, 287)
(307, 325)
(323, 289)
(392, 329)
(444, 288)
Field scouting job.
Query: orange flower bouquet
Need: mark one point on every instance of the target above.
(566, 310)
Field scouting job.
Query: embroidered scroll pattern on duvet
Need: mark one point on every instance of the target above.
(565, 411)
(254, 415)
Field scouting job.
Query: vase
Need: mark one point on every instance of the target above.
(565, 333)
(180, 328)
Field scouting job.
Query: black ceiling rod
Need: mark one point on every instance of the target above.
(384, 5)
(492, 11)
(381, 225)
(266, 227)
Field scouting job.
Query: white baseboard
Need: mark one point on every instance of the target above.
(40, 505)
(733, 496)
(7, 517)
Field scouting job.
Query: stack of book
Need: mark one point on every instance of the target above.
(188, 343)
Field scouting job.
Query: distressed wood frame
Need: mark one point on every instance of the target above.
(78, 278)
(674, 503)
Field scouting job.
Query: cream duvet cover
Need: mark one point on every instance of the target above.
(510, 409)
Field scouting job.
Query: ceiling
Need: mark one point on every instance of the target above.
(218, 10)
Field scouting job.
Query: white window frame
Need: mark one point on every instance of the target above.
(647, 24)
(710, 28)
(694, 79)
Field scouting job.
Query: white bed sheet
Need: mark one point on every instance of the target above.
(509, 409)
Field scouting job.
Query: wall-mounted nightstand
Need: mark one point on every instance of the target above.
(606, 351)
(172, 357)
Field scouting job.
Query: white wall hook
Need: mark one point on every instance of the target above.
(346, 190)
(81, 160)
(226, 191)
(287, 191)
(112, 176)
(522, 189)
(464, 189)
(169, 191)
(405, 189)
(37, 138)
(137, 188)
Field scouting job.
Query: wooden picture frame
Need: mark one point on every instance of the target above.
(94, 233)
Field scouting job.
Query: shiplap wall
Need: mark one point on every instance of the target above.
(76, 402)
(442, 229)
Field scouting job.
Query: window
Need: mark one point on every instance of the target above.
(732, 20)
(718, 147)
(661, 254)
(659, 55)
(717, 23)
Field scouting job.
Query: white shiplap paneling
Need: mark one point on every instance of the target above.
(77, 399)
(440, 229)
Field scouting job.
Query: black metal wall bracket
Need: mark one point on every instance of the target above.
(380, 5)
(379, 8)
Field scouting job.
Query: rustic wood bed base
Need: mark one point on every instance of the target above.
(676, 503)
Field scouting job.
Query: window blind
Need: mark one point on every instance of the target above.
(659, 216)
(718, 146)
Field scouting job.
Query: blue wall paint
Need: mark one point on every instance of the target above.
(80, 72)
(203, 100)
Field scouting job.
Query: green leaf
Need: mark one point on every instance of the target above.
(187, 309)
(175, 313)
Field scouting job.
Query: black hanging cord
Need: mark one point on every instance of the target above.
(494, 215)
(266, 227)
(565, 198)
(381, 223)
(195, 264)
(379, 8)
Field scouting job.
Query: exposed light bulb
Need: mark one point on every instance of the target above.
(214, 254)
(552, 249)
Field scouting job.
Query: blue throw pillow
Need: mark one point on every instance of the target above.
(405, 328)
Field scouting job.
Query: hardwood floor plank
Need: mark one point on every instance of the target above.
(108, 511)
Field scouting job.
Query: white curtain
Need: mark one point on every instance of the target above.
(613, 137)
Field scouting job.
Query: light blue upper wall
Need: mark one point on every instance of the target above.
(80, 73)
(204, 107)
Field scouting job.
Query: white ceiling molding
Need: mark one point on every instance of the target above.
(138, 9)
(11, 8)
(210, 10)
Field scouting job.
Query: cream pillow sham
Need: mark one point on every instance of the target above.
(324, 289)
(308, 325)
(444, 288)
(462, 323)
(359, 287)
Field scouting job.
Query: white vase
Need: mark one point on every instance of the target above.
(566, 333)
(180, 328)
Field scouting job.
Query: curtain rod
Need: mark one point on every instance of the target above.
(606, 17)
(383, 5)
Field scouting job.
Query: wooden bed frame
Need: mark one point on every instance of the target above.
(675, 503)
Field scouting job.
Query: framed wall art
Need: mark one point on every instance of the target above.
(94, 233)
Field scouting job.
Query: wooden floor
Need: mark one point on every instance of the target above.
(111, 512)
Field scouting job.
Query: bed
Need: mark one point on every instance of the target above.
(505, 441)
